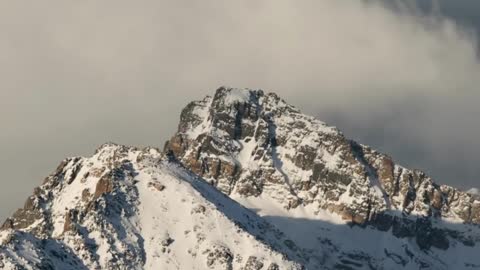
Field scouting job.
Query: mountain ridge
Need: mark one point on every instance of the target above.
(112, 221)
(297, 194)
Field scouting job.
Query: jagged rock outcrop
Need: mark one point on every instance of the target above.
(247, 141)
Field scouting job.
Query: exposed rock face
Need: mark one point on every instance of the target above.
(249, 143)
(157, 185)
(104, 185)
(219, 257)
(253, 263)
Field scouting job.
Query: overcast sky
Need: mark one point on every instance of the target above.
(75, 74)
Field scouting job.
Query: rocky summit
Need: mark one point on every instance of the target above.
(247, 182)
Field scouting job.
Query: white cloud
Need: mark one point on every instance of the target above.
(76, 74)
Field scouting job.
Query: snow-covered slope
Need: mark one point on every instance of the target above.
(126, 208)
(301, 173)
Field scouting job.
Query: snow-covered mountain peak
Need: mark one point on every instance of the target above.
(266, 154)
(248, 182)
(250, 143)
(218, 116)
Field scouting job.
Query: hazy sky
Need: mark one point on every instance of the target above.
(75, 74)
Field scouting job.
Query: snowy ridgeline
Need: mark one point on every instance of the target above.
(154, 213)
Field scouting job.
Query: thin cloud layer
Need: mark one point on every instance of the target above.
(77, 74)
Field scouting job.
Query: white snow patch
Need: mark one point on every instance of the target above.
(331, 161)
(237, 95)
(473, 191)
(245, 154)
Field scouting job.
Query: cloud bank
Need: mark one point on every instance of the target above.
(77, 74)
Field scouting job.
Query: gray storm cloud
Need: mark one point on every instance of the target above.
(75, 74)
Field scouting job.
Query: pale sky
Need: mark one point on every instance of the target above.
(76, 74)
